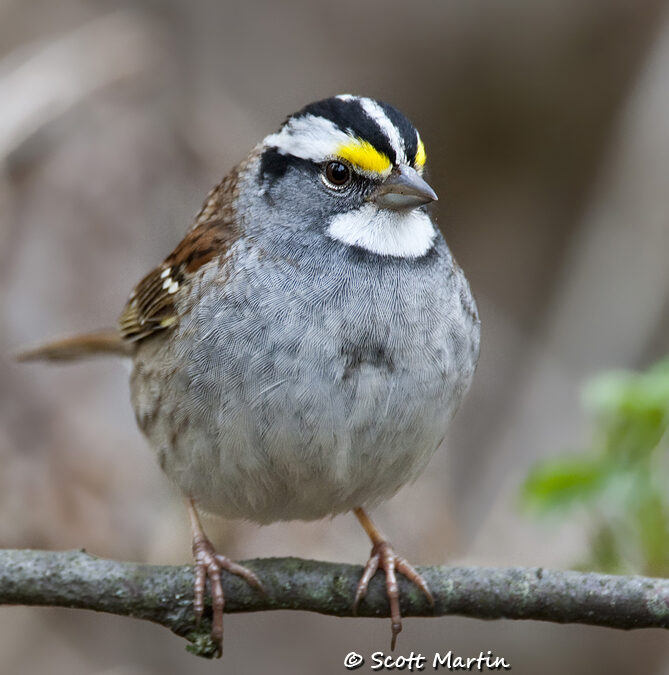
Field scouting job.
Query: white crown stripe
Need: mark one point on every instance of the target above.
(309, 137)
(376, 113)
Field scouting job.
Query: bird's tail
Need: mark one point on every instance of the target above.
(101, 343)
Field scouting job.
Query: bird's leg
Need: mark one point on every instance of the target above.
(384, 556)
(208, 565)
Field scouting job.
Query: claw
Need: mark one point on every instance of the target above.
(367, 575)
(383, 556)
(409, 571)
(200, 581)
(241, 571)
(209, 565)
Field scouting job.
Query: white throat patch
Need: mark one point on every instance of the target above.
(404, 234)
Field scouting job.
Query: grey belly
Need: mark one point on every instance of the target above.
(302, 446)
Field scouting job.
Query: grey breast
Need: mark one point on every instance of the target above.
(309, 379)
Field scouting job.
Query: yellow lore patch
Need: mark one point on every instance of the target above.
(421, 157)
(364, 156)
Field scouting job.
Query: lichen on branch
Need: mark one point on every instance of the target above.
(164, 594)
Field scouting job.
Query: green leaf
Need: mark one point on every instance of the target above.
(622, 476)
(561, 482)
(631, 411)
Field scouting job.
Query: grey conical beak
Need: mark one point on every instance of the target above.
(403, 189)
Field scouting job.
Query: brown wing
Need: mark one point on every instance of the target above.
(152, 306)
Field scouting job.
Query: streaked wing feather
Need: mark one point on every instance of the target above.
(152, 306)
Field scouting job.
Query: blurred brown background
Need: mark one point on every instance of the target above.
(547, 129)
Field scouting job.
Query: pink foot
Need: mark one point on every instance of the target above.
(383, 556)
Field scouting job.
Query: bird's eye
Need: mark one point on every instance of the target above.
(337, 174)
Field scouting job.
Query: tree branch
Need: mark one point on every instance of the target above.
(163, 594)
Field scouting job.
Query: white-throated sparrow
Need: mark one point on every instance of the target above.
(303, 349)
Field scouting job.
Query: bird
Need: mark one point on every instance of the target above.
(303, 349)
